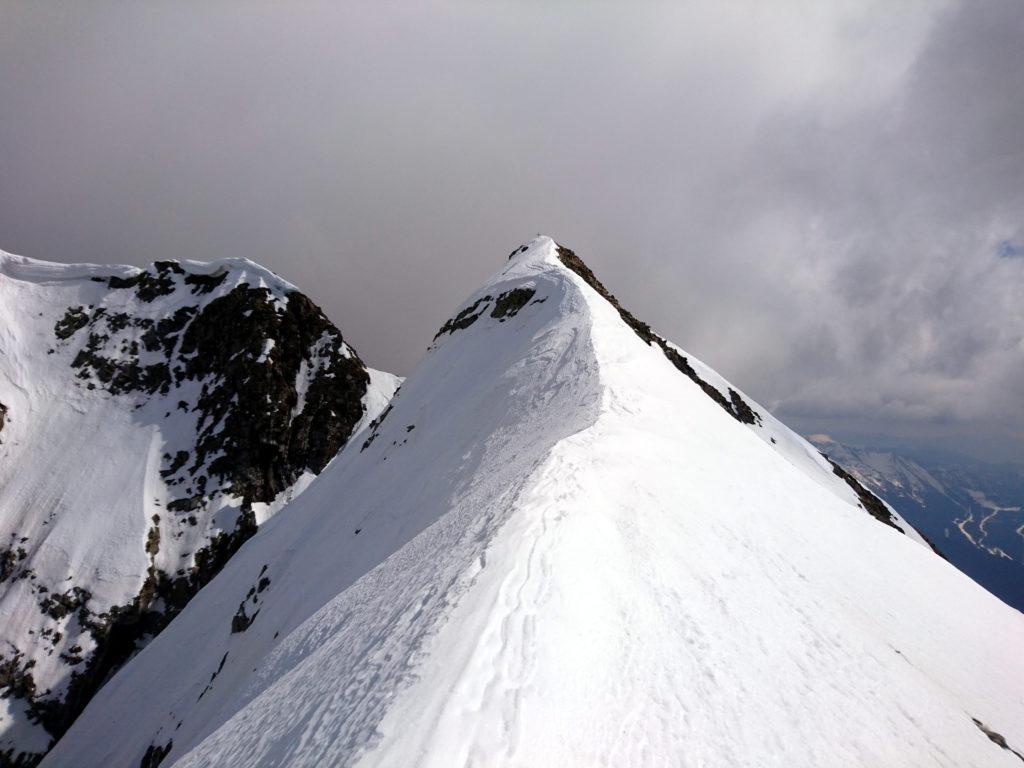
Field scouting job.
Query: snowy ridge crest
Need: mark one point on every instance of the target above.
(544, 253)
(556, 545)
(39, 271)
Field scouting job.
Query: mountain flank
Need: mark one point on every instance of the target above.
(151, 420)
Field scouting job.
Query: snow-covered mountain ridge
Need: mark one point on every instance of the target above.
(558, 545)
(152, 418)
(972, 510)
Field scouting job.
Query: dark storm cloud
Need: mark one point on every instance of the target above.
(821, 200)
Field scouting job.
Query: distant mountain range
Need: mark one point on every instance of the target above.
(972, 511)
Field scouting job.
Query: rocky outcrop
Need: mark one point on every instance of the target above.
(734, 405)
(252, 352)
(252, 387)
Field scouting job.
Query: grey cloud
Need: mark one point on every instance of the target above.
(821, 200)
(915, 198)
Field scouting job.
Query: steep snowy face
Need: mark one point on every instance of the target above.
(150, 420)
(719, 391)
(402, 519)
(972, 510)
(568, 542)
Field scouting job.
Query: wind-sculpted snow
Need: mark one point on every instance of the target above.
(554, 549)
(152, 423)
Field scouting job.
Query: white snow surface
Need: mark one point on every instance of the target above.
(558, 550)
(79, 480)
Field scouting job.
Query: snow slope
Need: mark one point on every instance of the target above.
(972, 510)
(560, 546)
(113, 508)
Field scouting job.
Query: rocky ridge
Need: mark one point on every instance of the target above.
(244, 391)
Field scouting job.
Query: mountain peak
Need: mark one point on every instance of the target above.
(151, 420)
(540, 247)
(556, 542)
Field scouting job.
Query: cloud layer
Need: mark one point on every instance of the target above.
(821, 200)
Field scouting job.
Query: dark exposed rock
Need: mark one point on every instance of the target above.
(735, 406)
(205, 283)
(220, 666)
(149, 286)
(155, 755)
(576, 264)
(122, 282)
(153, 538)
(742, 410)
(260, 449)
(8, 563)
(118, 375)
(11, 559)
(118, 321)
(374, 426)
(465, 318)
(16, 676)
(996, 738)
(55, 637)
(188, 504)
(118, 632)
(71, 657)
(210, 559)
(509, 303)
(11, 759)
(871, 503)
(58, 605)
(683, 366)
(213, 677)
(248, 441)
(163, 335)
(16, 680)
(74, 320)
(176, 463)
(124, 372)
(163, 267)
(241, 621)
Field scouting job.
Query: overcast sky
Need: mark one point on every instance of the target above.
(824, 201)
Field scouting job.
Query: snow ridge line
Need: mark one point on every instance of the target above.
(394, 637)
